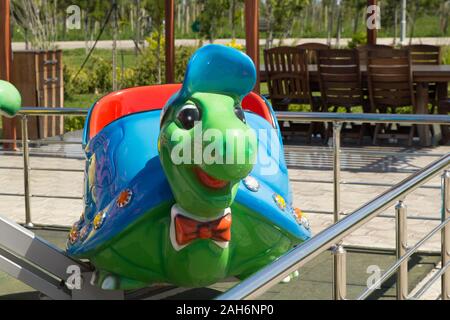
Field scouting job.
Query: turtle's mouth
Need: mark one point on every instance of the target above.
(209, 181)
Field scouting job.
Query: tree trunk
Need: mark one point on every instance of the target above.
(187, 17)
(412, 23)
(338, 26)
(86, 31)
(137, 25)
(158, 55)
(269, 33)
(233, 18)
(330, 24)
(356, 21)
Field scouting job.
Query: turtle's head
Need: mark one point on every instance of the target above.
(205, 145)
(10, 99)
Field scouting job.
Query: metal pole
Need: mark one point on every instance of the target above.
(114, 47)
(339, 272)
(337, 169)
(26, 172)
(445, 235)
(401, 248)
(403, 23)
(339, 253)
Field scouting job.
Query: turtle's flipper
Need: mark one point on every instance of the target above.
(10, 99)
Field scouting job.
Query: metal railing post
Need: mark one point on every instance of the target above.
(445, 235)
(337, 170)
(339, 253)
(26, 172)
(339, 272)
(401, 248)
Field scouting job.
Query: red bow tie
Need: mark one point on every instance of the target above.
(187, 229)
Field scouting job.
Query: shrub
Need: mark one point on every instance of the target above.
(101, 74)
(81, 84)
(182, 56)
(73, 123)
(357, 39)
(445, 54)
(128, 78)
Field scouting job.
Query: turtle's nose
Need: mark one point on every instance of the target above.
(237, 154)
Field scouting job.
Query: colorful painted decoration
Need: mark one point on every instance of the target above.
(251, 183)
(124, 198)
(301, 218)
(305, 222)
(99, 219)
(84, 232)
(74, 234)
(280, 202)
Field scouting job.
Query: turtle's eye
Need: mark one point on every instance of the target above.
(188, 115)
(239, 113)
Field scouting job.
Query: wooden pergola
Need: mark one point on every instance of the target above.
(251, 37)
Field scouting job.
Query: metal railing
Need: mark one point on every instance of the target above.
(272, 274)
(23, 114)
(334, 235)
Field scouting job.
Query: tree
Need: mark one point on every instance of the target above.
(156, 10)
(38, 18)
(212, 16)
(416, 11)
(280, 15)
(354, 7)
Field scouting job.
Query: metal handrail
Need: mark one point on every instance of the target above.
(287, 116)
(272, 274)
(362, 117)
(41, 111)
(394, 267)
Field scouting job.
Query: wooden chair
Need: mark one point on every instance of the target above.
(427, 55)
(363, 49)
(288, 82)
(390, 85)
(311, 50)
(340, 84)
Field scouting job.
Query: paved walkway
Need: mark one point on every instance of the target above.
(129, 44)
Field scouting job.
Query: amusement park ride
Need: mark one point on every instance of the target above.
(149, 219)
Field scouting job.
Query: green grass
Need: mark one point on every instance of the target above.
(82, 100)
(74, 57)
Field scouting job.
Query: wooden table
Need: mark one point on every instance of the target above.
(423, 75)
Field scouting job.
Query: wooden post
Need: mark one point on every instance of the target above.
(170, 40)
(371, 32)
(252, 35)
(9, 125)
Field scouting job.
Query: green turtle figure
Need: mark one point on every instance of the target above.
(185, 184)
